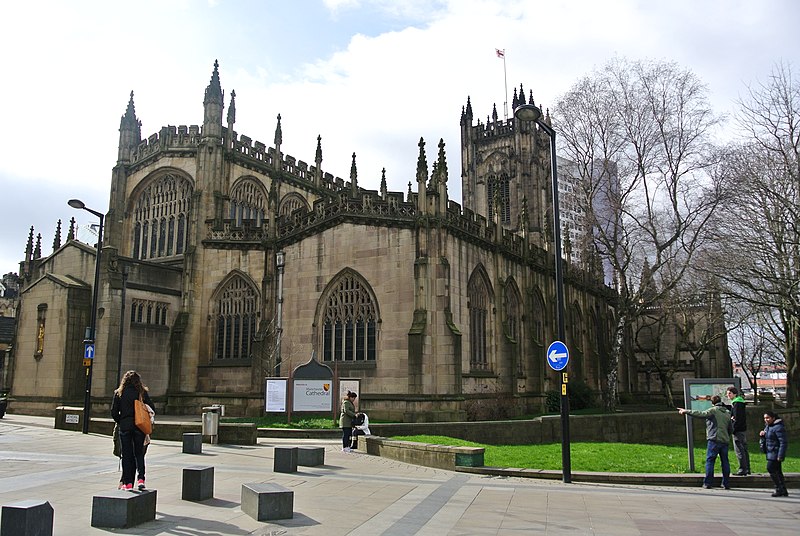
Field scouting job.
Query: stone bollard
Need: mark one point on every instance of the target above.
(27, 518)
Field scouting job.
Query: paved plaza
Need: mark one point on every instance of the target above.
(358, 494)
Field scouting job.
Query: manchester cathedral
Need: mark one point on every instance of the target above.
(225, 261)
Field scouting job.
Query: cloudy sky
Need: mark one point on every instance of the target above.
(370, 77)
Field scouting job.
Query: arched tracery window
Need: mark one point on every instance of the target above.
(237, 306)
(292, 202)
(576, 327)
(349, 320)
(513, 321)
(499, 186)
(536, 322)
(513, 315)
(248, 203)
(479, 296)
(160, 213)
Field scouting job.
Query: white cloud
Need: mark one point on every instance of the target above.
(71, 66)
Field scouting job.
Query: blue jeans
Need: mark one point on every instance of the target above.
(714, 448)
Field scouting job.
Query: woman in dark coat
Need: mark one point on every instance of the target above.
(774, 443)
(346, 417)
(131, 438)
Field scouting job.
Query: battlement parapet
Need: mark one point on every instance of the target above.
(169, 137)
(369, 205)
(231, 232)
(244, 146)
(493, 128)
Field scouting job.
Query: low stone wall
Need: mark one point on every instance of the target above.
(652, 428)
(437, 456)
(229, 433)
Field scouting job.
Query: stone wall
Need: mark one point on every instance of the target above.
(654, 428)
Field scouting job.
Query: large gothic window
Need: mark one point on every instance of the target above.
(576, 341)
(499, 188)
(513, 320)
(479, 305)
(512, 311)
(237, 306)
(349, 320)
(248, 203)
(159, 218)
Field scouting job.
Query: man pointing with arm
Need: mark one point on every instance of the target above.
(718, 434)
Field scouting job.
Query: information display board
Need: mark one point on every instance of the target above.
(697, 394)
(275, 395)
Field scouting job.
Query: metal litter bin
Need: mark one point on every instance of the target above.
(211, 416)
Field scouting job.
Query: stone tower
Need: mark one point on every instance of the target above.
(504, 163)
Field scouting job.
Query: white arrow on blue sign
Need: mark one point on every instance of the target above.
(557, 355)
(88, 351)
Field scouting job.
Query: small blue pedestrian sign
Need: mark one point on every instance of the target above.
(88, 350)
(557, 355)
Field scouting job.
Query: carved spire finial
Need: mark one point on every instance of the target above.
(232, 109)
(354, 176)
(29, 246)
(278, 133)
(422, 163)
(442, 162)
(57, 238)
(214, 89)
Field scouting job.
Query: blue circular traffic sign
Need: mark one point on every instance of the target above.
(557, 355)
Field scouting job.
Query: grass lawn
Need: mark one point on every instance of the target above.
(610, 457)
(279, 421)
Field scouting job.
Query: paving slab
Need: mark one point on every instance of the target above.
(382, 497)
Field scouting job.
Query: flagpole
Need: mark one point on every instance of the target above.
(502, 54)
(505, 81)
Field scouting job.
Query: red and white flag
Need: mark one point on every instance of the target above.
(500, 53)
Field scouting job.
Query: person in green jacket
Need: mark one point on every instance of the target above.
(718, 434)
(739, 438)
(346, 417)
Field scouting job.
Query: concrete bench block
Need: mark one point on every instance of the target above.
(198, 483)
(192, 443)
(285, 460)
(27, 518)
(310, 456)
(123, 509)
(264, 502)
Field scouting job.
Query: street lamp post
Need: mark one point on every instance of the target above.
(530, 112)
(91, 335)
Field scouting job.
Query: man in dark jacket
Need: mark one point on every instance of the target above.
(718, 434)
(739, 418)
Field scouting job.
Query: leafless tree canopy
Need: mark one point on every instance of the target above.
(639, 132)
(757, 253)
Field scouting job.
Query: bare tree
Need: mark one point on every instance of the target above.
(755, 344)
(758, 253)
(640, 135)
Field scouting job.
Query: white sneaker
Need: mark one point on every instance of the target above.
(346, 449)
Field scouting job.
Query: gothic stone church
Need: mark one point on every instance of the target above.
(434, 306)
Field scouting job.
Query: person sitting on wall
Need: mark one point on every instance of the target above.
(360, 427)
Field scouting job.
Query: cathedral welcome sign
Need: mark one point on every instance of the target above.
(312, 395)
